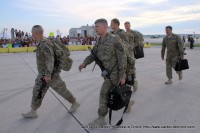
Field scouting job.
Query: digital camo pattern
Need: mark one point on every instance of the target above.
(111, 53)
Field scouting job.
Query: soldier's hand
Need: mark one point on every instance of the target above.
(81, 67)
(47, 79)
(122, 81)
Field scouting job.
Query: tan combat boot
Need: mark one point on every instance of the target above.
(169, 82)
(30, 114)
(130, 106)
(74, 107)
(180, 75)
(99, 122)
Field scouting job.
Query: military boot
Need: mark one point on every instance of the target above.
(74, 107)
(169, 82)
(180, 75)
(130, 106)
(30, 114)
(99, 122)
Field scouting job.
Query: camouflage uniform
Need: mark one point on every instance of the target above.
(129, 45)
(174, 47)
(112, 55)
(138, 38)
(45, 66)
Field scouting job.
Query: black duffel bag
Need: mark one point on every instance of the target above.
(182, 65)
(138, 52)
(118, 98)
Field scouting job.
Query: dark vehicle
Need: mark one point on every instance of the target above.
(155, 36)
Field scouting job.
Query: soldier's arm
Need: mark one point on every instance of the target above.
(89, 59)
(124, 37)
(180, 46)
(136, 38)
(121, 57)
(163, 48)
(131, 40)
(49, 59)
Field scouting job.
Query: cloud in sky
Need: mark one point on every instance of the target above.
(149, 16)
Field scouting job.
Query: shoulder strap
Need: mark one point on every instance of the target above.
(120, 121)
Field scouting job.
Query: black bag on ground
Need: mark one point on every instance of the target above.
(118, 98)
(182, 65)
(139, 52)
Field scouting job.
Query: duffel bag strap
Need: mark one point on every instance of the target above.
(120, 121)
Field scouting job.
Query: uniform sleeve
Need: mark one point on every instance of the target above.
(180, 45)
(163, 48)
(89, 59)
(121, 57)
(136, 38)
(49, 59)
(131, 40)
(124, 37)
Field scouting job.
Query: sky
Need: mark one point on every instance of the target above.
(146, 16)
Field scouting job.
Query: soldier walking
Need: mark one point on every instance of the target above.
(48, 73)
(128, 46)
(109, 50)
(175, 51)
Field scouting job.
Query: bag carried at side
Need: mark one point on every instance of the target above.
(118, 98)
(139, 52)
(182, 65)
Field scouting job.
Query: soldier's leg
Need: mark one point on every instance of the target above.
(103, 101)
(60, 87)
(36, 102)
(135, 86)
(131, 77)
(132, 73)
(180, 73)
(103, 108)
(168, 71)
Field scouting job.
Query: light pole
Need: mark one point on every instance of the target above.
(5, 32)
(6, 29)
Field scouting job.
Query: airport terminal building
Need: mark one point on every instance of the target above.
(84, 31)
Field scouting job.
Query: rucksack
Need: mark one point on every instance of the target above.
(118, 98)
(140, 35)
(62, 53)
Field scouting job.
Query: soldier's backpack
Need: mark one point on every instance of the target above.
(140, 35)
(62, 53)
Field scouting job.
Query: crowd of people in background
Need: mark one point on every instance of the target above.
(27, 41)
(17, 42)
(80, 40)
(20, 38)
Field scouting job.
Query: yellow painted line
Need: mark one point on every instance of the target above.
(71, 48)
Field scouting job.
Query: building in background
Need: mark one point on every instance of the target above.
(84, 31)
